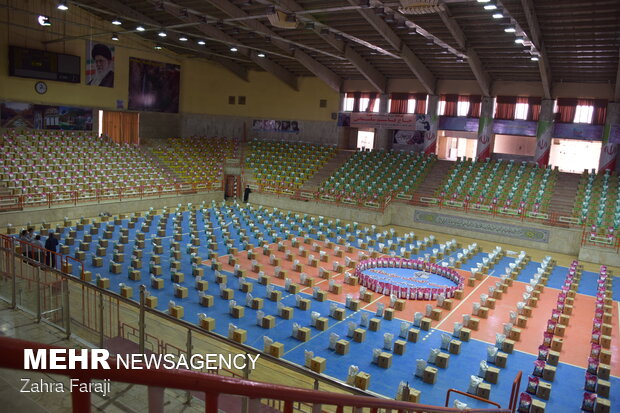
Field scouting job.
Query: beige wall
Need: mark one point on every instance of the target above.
(25, 32)
(518, 145)
(205, 86)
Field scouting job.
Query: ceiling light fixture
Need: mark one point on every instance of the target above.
(510, 30)
(183, 39)
(115, 37)
(483, 1)
(233, 49)
(490, 7)
(519, 40)
(202, 42)
(158, 46)
(162, 34)
(498, 15)
(261, 55)
(534, 59)
(140, 29)
(62, 6)
(44, 20)
(116, 22)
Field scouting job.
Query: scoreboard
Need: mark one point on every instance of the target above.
(40, 64)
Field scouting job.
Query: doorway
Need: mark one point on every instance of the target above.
(453, 145)
(121, 127)
(575, 156)
(366, 139)
(232, 188)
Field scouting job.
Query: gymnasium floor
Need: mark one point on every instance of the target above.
(567, 391)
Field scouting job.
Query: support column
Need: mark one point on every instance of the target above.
(347, 136)
(544, 133)
(485, 129)
(609, 150)
(383, 137)
(430, 137)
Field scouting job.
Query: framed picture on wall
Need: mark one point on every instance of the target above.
(99, 64)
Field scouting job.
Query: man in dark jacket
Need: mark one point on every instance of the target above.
(50, 245)
(246, 194)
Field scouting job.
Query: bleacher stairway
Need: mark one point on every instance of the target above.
(435, 177)
(147, 150)
(563, 198)
(327, 170)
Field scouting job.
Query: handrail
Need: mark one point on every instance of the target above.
(194, 328)
(471, 396)
(610, 243)
(98, 194)
(55, 258)
(12, 356)
(514, 392)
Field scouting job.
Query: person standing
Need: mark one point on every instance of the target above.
(50, 245)
(30, 238)
(23, 244)
(37, 253)
(246, 194)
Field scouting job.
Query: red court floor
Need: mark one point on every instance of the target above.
(576, 346)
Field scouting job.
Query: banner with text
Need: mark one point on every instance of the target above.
(390, 121)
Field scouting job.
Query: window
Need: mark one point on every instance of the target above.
(364, 104)
(411, 106)
(462, 108)
(441, 107)
(583, 114)
(521, 111)
(359, 101)
(349, 101)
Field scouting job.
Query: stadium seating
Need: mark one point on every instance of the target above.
(68, 165)
(196, 160)
(285, 165)
(376, 175)
(597, 202)
(510, 185)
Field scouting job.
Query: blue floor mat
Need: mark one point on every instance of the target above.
(566, 393)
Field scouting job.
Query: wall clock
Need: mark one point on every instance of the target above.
(40, 87)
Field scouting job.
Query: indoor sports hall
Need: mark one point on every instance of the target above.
(334, 205)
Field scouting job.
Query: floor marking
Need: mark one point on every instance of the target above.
(461, 303)
(330, 327)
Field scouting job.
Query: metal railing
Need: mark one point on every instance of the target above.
(212, 386)
(545, 218)
(98, 195)
(611, 243)
(102, 317)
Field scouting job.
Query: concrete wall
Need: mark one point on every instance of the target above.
(36, 215)
(562, 240)
(312, 131)
(321, 208)
(600, 255)
(159, 125)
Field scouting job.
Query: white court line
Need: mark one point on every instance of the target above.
(334, 325)
(461, 303)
